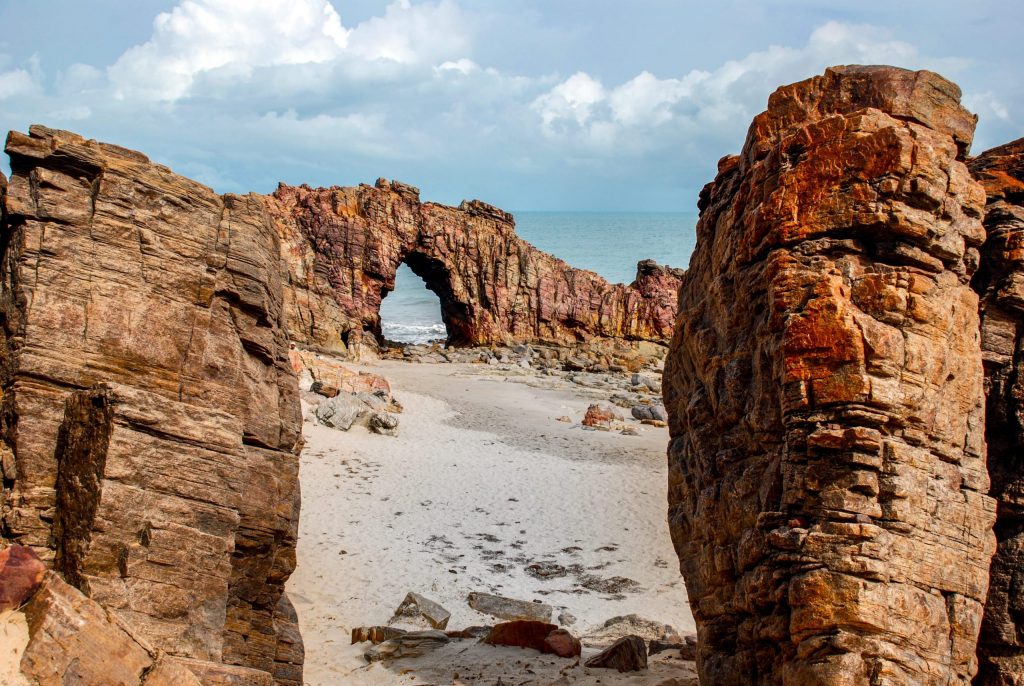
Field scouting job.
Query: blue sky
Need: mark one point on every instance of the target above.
(527, 104)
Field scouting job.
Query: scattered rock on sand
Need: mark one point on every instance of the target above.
(628, 654)
(567, 619)
(470, 632)
(563, 644)
(384, 423)
(341, 412)
(655, 412)
(509, 608)
(600, 416)
(416, 607)
(376, 634)
(412, 644)
(21, 572)
(520, 633)
(627, 625)
(323, 389)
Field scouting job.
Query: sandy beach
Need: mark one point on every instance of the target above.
(484, 489)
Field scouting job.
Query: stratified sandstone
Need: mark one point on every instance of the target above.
(343, 246)
(824, 387)
(150, 414)
(1000, 283)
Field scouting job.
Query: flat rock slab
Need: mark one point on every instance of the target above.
(412, 644)
(628, 654)
(509, 608)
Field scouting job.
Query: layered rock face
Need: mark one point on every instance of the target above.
(1000, 283)
(825, 393)
(344, 245)
(150, 416)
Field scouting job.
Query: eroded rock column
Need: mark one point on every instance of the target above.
(1000, 283)
(150, 416)
(827, 463)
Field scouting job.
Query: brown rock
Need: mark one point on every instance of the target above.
(21, 572)
(562, 643)
(1000, 283)
(342, 247)
(521, 633)
(600, 416)
(376, 634)
(418, 607)
(149, 399)
(628, 654)
(824, 391)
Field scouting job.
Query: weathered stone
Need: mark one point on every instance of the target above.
(628, 654)
(1000, 283)
(509, 608)
(562, 643)
(343, 246)
(342, 411)
(412, 644)
(418, 607)
(520, 633)
(626, 625)
(21, 572)
(149, 399)
(384, 424)
(600, 416)
(376, 634)
(824, 386)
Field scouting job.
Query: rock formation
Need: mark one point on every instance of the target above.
(1000, 283)
(344, 245)
(824, 387)
(150, 415)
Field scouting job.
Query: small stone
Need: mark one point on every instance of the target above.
(600, 415)
(384, 423)
(416, 606)
(566, 619)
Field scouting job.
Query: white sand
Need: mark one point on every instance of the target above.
(476, 488)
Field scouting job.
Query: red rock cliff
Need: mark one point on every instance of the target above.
(344, 245)
(827, 462)
(1000, 283)
(150, 417)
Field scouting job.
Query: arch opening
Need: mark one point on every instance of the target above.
(421, 307)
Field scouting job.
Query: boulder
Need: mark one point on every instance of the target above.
(342, 411)
(600, 416)
(628, 654)
(521, 633)
(562, 643)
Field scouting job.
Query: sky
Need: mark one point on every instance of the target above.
(525, 104)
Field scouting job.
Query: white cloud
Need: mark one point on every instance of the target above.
(424, 33)
(202, 35)
(16, 82)
(648, 111)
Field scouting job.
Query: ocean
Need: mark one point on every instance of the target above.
(609, 243)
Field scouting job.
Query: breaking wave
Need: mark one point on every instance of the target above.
(413, 333)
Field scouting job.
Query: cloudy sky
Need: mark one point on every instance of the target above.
(527, 104)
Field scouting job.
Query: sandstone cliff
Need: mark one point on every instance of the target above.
(150, 416)
(344, 245)
(827, 463)
(1000, 283)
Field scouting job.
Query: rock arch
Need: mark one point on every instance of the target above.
(343, 247)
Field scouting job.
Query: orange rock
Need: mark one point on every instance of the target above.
(21, 572)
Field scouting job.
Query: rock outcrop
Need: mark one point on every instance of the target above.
(824, 387)
(343, 247)
(1000, 283)
(150, 415)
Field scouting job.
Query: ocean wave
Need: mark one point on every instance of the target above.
(413, 333)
